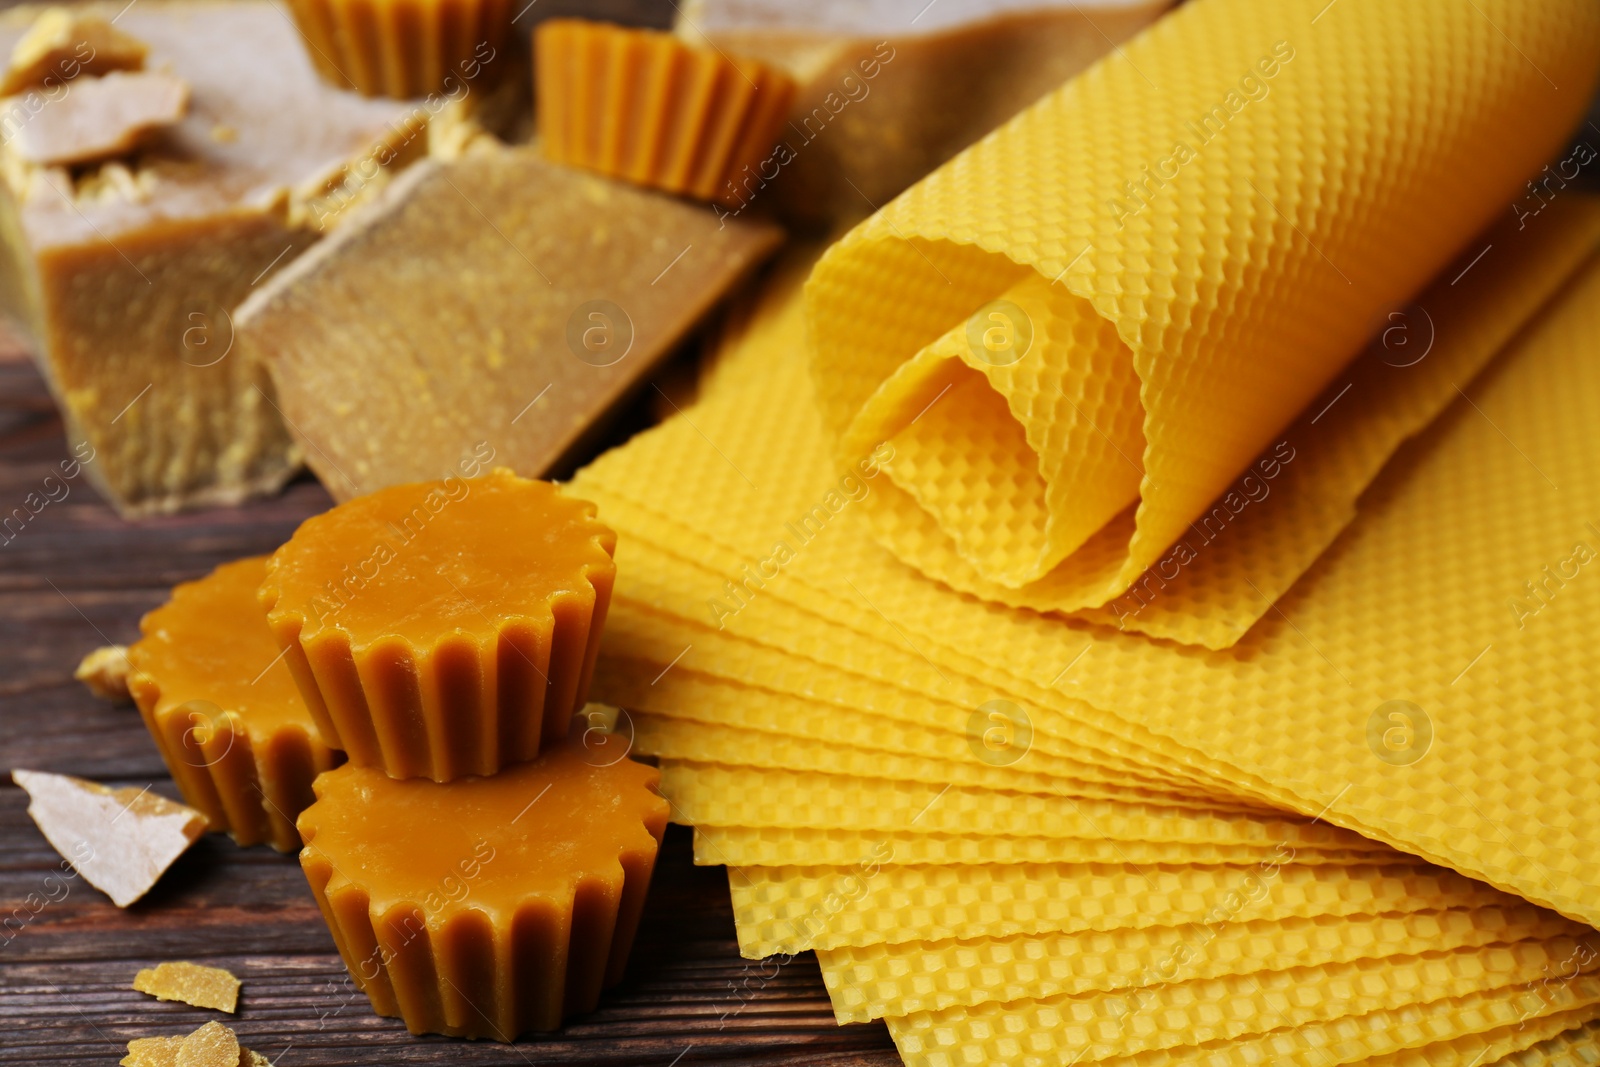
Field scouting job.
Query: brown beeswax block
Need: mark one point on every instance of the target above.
(224, 710)
(63, 43)
(888, 90)
(100, 118)
(444, 628)
(496, 307)
(485, 907)
(122, 275)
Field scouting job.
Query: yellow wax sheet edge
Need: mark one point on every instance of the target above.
(1096, 1026)
(871, 981)
(791, 909)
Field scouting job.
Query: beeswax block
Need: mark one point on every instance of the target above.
(644, 106)
(491, 309)
(63, 43)
(122, 277)
(224, 710)
(444, 628)
(120, 840)
(101, 118)
(485, 907)
(886, 93)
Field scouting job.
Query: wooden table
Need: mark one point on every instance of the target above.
(76, 577)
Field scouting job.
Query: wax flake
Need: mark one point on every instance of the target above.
(191, 983)
(120, 840)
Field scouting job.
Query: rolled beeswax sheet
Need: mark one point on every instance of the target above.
(807, 846)
(739, 511)
(1438, 595)
(1123, 294)
(1577, 1047)
(877, 980)
(1457, 1032)
(791, 909)
(1250, 545)
(1090, 1027)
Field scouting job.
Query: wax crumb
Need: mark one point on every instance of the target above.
(105, 672)
(190, 983)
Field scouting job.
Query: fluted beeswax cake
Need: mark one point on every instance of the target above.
(485, 907)
(232, 727)
(122, 274)
(444, 628)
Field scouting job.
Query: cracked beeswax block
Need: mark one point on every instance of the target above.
(63, 43)
(444, 628)
(122, 276)
(1237, 238)
(497, 306)
(232, 727)
(485, 907)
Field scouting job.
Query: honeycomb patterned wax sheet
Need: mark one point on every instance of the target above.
(707, 743)
(1460, 591)
(1577, 1047)
(899, 979)
(1252, 543)
(1242, 193)
(709, 794)
(774, 642)
(790, 909)
(705, 708)
(1457, 1032)
(1095, 1026)
(777, 646)
(805, 846)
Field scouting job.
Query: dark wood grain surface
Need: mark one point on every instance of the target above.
(77, 577)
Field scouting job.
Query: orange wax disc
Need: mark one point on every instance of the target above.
(485, 907)
(443, 629)
(232, 727)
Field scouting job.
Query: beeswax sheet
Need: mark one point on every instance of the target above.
(1459, 592)
(1088, 1028)
(899, 979)
(1081, 331)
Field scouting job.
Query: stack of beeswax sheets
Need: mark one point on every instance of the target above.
(1130, 600)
